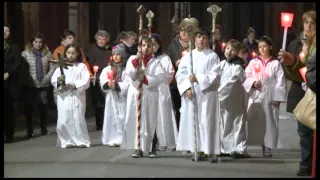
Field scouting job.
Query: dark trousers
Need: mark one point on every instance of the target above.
(176, 101)
(9, 115)
(154, 142)
(306, 146)
(98, 102)
(28, 111)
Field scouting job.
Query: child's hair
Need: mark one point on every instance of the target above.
(157, 38)
(234, 44)
(250, 30)
(77, 48)
(39, 36)
(145, 38)
(244, 48)
(68, 32)
(202, 31)
(120, 36)
(130, 34)
(267, 40)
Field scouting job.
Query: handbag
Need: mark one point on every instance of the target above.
(305, 111)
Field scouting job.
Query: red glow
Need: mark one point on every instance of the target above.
(223, 45)
(303, 73)
(286, 19)
(257, 67)
(301, 56)
(110, 73)
(254, 54)
(95, 68)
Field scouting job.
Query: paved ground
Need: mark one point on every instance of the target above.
(38, 157)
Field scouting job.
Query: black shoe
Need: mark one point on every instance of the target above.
(8, 140)
(99, 128)
(303, 172)
(44, 131)
(137, 154)
(29, 135)
(153, 154)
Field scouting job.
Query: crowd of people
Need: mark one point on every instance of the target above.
(146, 98)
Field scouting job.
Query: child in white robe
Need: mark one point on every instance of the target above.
(232, 102)
(151, 76)
(266, 87)
(166, 131)
(205, 78)
(113, 84)
(71, 100)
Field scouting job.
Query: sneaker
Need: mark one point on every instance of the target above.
(304, 172)
(213, 159)
(137, 154)
(266, 152)
(153, 154)
(200, 157)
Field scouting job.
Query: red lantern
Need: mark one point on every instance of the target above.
(303, 73)
(95, 68)
(286, 19)
(110, 73)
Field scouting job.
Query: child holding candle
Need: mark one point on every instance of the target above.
(71, 100)
(113, 84)
(266, 88)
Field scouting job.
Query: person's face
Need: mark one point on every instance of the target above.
(69, 39)
(184, 36)
(309, 27)
(217, 34)
(102, 41)
(264, 49)
(6, 33)
(116, 57)
(130, 40)
(201, 41)
(251, 36)
(243, 55)
(155, 46)
(71, 54)
(230, 52)
(146, 47)
(37, 43)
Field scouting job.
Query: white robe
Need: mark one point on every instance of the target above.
(167, 131)
(263, 118)
(114, 113)
(71, 105)
(232, 108)
(149, 106)
(206, 67)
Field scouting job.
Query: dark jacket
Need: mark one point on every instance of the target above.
(239, 61)
(311, 74)
(98, 56)
(130, 51)
(175, 50)
(12, 63)
(252, 47)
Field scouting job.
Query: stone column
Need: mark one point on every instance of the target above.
(31, 20)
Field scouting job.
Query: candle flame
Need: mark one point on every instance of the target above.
(95, 68)
(254, 54)
(223, 45)
(301, 56)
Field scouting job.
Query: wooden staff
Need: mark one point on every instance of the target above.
(141, 10)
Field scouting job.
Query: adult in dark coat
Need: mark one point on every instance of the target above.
(175, 49)
(99, 55)
(12, 62)
(292, 64)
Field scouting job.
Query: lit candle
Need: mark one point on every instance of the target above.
(223, 45)
(254, 54)
(110, 73)
(95, 70)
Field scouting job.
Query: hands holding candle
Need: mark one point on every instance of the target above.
(95, 70)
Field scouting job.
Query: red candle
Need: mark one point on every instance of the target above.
(223, 45)
(110, 73)
(95, 68)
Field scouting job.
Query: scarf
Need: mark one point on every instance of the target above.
(39, 66)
